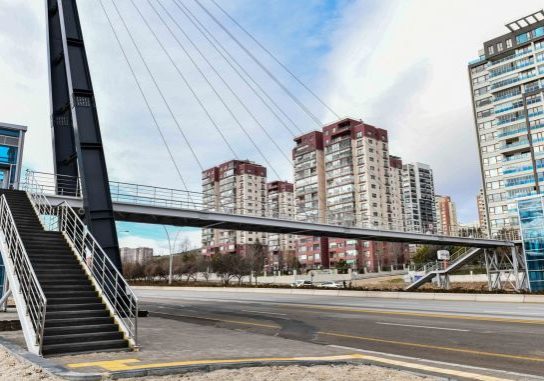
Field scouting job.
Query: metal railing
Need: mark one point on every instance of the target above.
(439, 265)
(121, 192)
(109, 281)
(51, 185)
(29, 286)
(111, 284)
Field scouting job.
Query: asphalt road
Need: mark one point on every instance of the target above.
(504, 336)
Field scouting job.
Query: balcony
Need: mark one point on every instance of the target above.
(509, 58)
(513, 132)
(506, 121)
(515, 145)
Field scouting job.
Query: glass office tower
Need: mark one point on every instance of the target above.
(507, 83)
(531, 218)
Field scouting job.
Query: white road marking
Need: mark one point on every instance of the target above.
(264, 312)
(424, 326)
(444, 364)
(520, 313)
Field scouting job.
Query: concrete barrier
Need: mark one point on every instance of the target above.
(443, 296)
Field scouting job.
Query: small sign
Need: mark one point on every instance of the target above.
(443, 255)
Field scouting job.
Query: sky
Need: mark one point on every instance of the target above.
(400, 65)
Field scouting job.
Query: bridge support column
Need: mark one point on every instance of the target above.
(77, 138)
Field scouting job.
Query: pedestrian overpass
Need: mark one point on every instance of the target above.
(165, 206)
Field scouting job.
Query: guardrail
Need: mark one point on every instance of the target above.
(111, 284)
(438, 265)
(29, 286)
(121, 192)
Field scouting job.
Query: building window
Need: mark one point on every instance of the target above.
(490, 50)
(499, 47)
(509, 43)
(524, 37)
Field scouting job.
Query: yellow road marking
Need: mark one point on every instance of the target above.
(125, 364)
(419, 314)
(428, 346)
(135, 364)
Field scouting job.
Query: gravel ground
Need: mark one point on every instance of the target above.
(13, 369)
(297, 373)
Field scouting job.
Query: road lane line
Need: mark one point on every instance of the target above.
(424, 326)
(419, 314)
(442, 364)
(437, 347)
(263, 312)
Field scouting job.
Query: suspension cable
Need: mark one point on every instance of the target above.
(227, 107)
(182, 76)
(157, 87)
(148, 105)
(276, 59)
(244, 106)
(261, 65)
(228, 57)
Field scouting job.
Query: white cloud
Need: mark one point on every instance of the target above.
(403, 66)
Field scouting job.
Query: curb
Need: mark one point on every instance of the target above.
(500, 298)
(49, 366)
(180, 370)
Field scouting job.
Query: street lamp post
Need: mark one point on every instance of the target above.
(171, 252)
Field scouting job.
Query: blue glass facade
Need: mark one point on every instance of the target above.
(531, 219)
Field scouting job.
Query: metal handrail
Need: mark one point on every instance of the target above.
(109, 281)
(175, 198)
(111, 284)
(29, 286)
(436, 265)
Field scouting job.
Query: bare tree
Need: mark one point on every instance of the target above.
(256, 257)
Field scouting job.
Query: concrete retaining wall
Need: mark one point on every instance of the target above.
(510, 298)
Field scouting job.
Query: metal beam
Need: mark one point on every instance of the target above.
(71, 84)
(201, 219)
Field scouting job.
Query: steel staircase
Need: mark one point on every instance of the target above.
(433, 269)
(66, 304)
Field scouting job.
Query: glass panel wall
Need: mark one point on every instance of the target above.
(531, 217)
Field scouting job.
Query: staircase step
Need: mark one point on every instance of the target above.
(82, 337)
(47, 266)
(59, 272)
(77, 321)
(90, 346)
(80, 329)
(76, 307)
(55, 301)
(69, 283)
(69, 294)
(77, 314)
(68, 287)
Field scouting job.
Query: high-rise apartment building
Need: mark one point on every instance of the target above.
(506, 83)
(310, 197)
(140, 255)
(395, 183)
(418, 198)
(280, 204)
(233, 187)
(446, 216)
(482, 212)
(343, 173)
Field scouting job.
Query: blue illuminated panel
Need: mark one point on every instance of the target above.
(531, 217)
